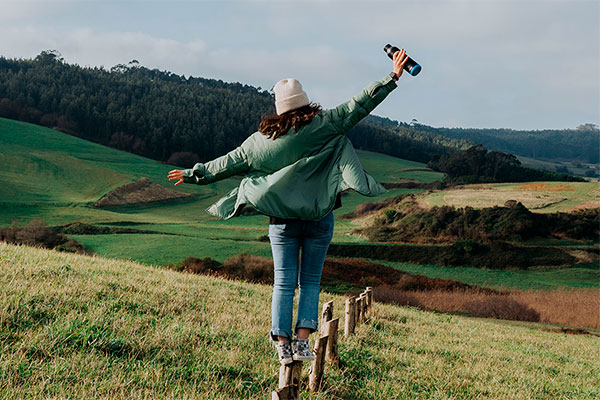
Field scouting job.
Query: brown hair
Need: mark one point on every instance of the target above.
(277, 125)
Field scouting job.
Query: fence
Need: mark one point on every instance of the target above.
(357, 311)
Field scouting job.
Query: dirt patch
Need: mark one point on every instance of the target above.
(546, 186)
(410, 184)
(588, 204)
(139, 192)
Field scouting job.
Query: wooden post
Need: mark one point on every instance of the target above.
(286, 393)
(358, 314)
(316, 368)
(327, 313)
(369, 297)
(331, 354)
(363, 307)
(349, 323)
(289, 382)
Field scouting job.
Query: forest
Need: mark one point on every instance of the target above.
(161, 115)
(478, 165)
(182, 120)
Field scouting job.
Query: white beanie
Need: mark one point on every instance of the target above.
(289, 95)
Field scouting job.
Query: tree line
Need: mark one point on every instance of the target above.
(179, 120)
(478, 165)
(158, 114)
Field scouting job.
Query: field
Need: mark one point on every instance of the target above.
(50, 175)
(543, 197)
(87, 327)
(58, 177)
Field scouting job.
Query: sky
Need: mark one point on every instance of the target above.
(486, 64)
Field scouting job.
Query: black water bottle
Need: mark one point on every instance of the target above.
(410, 66)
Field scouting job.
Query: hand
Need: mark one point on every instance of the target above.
(176, 175)
(400, 58)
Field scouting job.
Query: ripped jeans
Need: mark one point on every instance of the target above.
(313, 237)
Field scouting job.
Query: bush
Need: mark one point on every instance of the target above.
(501, 307)
(36, 233)
(251, 268)
(389, 294)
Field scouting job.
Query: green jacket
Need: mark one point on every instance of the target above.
(299, 174)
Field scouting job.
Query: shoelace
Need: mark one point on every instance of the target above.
(285, 349)
(302, 345)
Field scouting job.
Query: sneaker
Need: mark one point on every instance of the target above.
(301, 350)
(284, 350)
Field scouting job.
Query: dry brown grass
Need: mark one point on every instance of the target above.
(566, 306)
(546, 186)
(141, 191)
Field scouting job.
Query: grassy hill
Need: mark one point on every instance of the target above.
(540, 197)
(48, 174)
(74, 326)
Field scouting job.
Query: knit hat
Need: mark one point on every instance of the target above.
(289, 95)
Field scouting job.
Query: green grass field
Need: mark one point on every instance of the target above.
(50, 175)
(58, 177)
(82, 327)
(580, 276)
(543, 197)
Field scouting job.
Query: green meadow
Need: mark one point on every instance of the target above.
(83, 327)
(51, 175)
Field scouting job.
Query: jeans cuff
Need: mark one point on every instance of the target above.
(307, 323)
(279, 332)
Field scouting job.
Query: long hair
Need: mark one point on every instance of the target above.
(277, 125)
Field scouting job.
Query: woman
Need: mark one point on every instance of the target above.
(296, 179)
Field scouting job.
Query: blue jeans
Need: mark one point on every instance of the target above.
(313, 237)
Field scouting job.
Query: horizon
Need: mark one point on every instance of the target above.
(507, 46)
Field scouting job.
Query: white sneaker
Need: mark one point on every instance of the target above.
(302, 351)
(284, 350)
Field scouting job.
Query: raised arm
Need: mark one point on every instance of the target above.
(348, 114)
(232, 163)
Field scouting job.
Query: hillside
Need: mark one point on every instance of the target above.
(78, 327)
(51, 175)
(162, 115)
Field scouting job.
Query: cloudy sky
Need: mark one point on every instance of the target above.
(515, 64)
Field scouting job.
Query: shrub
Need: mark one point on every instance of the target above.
(501, 307)
(36, 233)
(250, 268)
(389, 294)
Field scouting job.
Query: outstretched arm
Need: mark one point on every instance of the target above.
(232, 163)
(348, 114)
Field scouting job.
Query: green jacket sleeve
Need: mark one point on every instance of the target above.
(348, 114)
(232, 163)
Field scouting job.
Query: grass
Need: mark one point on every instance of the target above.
(543, 197)
(580, 276)
(54, 176)
(88, 327)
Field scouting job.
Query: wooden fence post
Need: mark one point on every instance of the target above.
(327, 313)
(358, 314)
(369, 297)
(289, 382)
(316, 368)
(349, 322)
(331, 354)
(363, 305)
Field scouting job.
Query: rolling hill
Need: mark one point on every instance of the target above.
(73, 326)
(51, 175)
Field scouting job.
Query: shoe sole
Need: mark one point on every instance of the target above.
(286, 361)
(303, 358)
